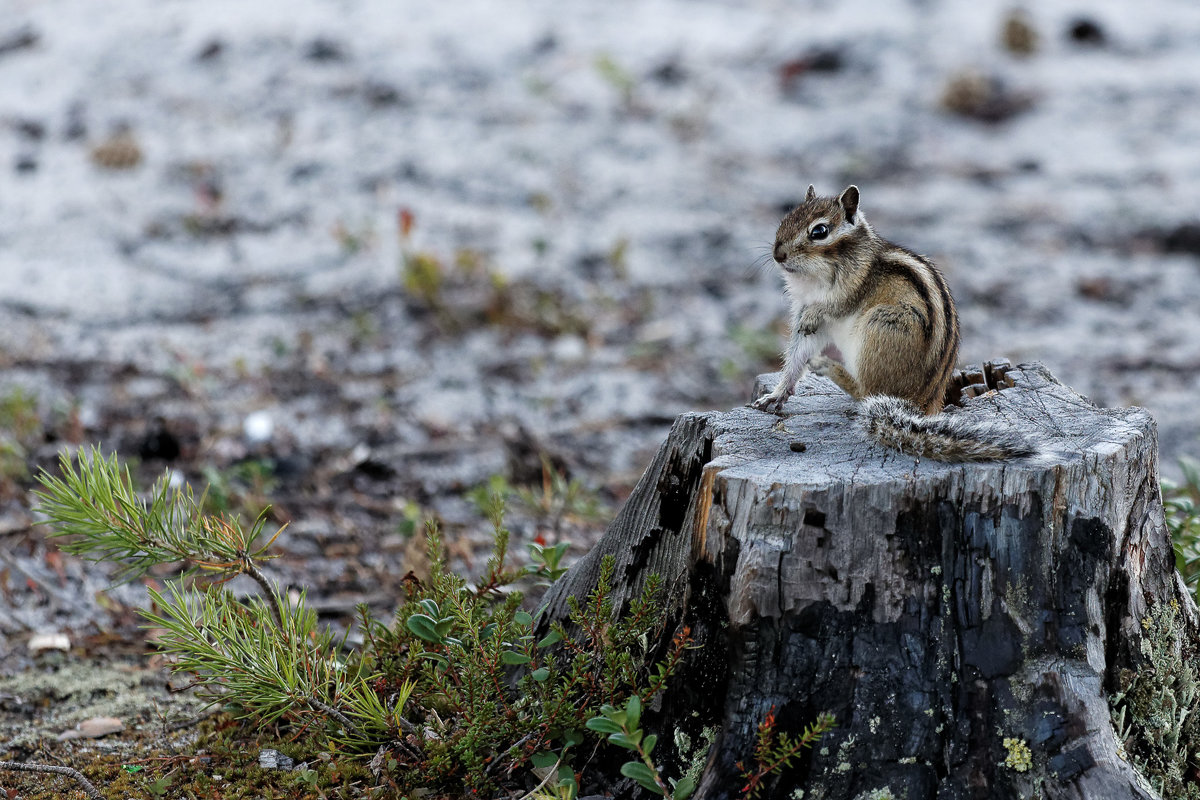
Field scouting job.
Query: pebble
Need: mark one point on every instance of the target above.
(1018, 34)
(119, 152)
(1086, 32)
(569, 349)
(49, 641)
(93, 728)
(258, 427)
(273, 759)
(984, 97)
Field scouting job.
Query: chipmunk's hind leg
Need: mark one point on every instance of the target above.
(899, 365)
(824, 365)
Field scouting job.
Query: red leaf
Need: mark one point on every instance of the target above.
(406, 220)
(54, 560)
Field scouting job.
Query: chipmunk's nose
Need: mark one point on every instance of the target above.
(780, 256)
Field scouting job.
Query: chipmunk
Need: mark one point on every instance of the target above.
(890, 313)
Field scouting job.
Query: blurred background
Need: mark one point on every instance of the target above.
(358, 259)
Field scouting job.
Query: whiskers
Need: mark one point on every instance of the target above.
(765, 258)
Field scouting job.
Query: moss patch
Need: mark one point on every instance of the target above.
(1157, 712)
(213, 758)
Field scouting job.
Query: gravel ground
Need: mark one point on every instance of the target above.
(358, 257)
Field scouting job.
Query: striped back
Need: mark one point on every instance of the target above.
(912, 322)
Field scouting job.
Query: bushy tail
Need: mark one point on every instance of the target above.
(899, 424)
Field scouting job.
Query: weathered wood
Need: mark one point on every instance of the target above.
(935, 609)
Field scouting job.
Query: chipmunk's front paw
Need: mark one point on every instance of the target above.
(772, 402)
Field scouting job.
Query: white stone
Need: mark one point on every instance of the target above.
(49, 641)
(258, 427)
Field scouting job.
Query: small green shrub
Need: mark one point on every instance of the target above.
(498, 697)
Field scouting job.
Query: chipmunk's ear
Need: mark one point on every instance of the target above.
(849, 201)
(812, 194)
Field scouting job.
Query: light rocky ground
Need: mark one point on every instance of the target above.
(596, 183)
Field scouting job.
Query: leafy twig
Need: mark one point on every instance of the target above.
(775, 750)
(95, 502)
(251, 569)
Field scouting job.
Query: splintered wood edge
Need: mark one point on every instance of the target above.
(704, 499)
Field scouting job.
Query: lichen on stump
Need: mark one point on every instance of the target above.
(965, 624)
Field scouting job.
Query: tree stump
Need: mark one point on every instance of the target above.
(963, 623)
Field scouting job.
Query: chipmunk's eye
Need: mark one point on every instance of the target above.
(818, 232)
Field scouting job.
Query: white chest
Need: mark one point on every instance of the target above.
(842, 334)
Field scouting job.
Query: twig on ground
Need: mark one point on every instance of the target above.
(330, 711)
(550, 773)
(84, 783)
(491, 768)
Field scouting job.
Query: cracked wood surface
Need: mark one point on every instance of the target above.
(935, 609)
